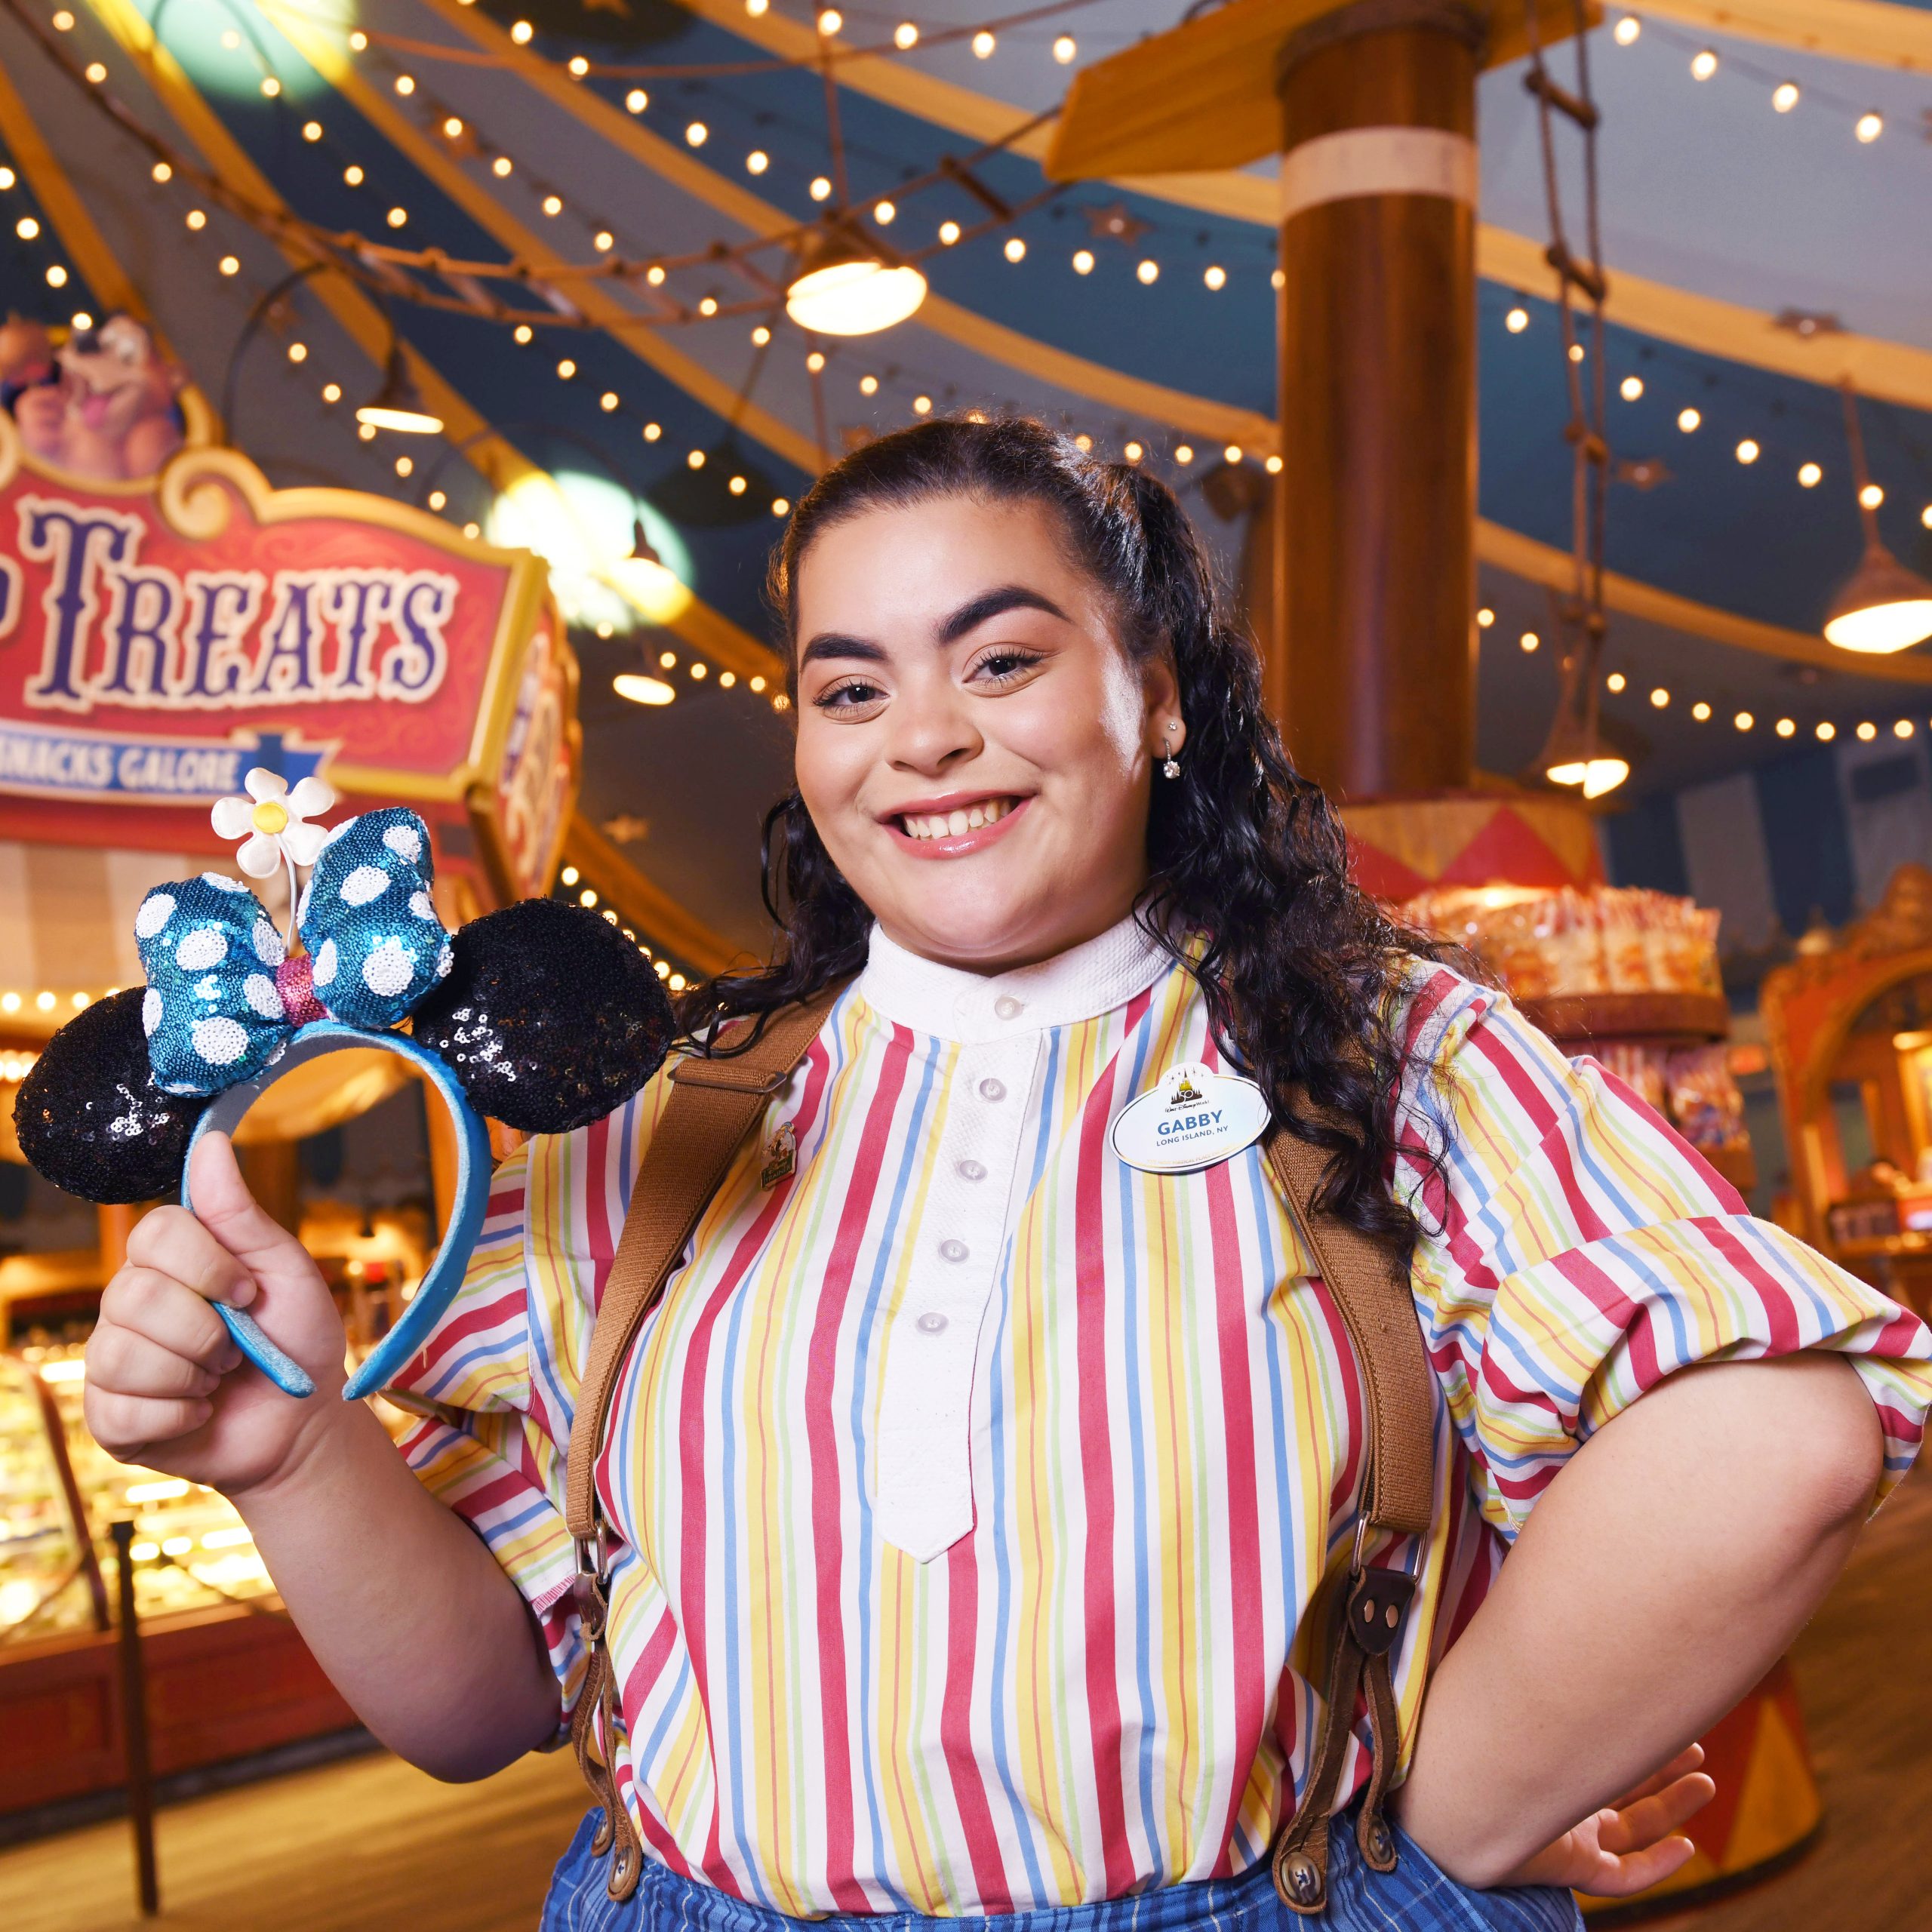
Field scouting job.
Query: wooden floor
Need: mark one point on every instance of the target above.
(370, 1845)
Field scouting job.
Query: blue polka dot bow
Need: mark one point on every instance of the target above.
(225, 996)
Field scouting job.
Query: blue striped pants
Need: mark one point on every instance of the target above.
(1417, 1897)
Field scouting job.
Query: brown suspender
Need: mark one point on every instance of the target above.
(715, 1104)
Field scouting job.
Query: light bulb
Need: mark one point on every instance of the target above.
(1134, 452)
(637, 100)
(1148, 273)
(757, 162)
(1517, 320)
(1215, 276)
(821, 189)
(830, 21)
(1744, 721)
(1701, 711)
(1871, 496)
(500, 168)
(983, 44)
(1626, 30)
(922, 405)
(1484, 618)
(905, 35)
(884, 212)
(520, 32)
(1016, 249)
(1615, 681)
(1631, 388)
(1827, 731)
(697, 134)
(869, 385)
(948, 233)
(1083, 261)
(579, 65)
(607, 401)
(1868, 731)
(1703, 65)
(1748, 450)
(1869, 127)
(1183, 453)
(1530, 641)
(1065, 49)
(1784, 96)
(760, 336)
(1688, 420)
(1660, 698)
(1809, 475)
(1231, 455)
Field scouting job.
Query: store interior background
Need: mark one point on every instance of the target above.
(1763, 178)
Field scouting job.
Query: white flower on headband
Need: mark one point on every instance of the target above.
(272, 822)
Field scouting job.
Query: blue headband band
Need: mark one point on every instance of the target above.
(224, 1113)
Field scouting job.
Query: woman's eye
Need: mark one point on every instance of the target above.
(848, 697)
(1001, 665)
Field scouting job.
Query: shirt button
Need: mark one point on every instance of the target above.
(931, 1323)
(971, 1171)
(1008, 1008)
(992, 1090)
(953, 1250)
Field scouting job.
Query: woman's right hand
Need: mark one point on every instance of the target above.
(166, 1385)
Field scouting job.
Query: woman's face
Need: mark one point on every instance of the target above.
(974, 743)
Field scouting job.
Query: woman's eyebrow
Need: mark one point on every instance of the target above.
(992, 603)
(833, 643)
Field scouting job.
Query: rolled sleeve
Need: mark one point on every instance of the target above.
(1576, 1251)
(483, 1446)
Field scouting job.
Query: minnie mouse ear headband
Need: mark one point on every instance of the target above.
(542, 1015)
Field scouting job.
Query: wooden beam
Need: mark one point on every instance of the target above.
(641, 902)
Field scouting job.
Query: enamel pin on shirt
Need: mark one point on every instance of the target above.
(1193, 1119)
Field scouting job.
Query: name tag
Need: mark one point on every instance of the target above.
(1193, 1119)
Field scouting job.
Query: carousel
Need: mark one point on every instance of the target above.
(409, 394)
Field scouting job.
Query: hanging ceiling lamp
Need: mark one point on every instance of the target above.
(398, 404)
(1882, 607)
(1575, 754)
(845, 285)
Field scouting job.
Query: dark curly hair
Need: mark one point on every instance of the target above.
(1300, 966)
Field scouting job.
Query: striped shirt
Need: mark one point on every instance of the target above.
(972, 1487)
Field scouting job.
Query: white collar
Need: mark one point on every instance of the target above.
(970, 1008)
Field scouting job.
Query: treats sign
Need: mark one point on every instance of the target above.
(155, 637)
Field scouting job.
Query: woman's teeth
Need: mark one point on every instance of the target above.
(950, 825)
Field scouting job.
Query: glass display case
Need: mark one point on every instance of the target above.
(49, 1572)
(190, 1548)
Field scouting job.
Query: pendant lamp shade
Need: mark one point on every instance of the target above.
(1575, 755)
(1882, 608)
(398, 404)
(842, 287)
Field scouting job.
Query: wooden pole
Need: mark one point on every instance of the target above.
(134, 1722)
(1371, 663)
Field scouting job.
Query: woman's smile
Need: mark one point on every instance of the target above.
(951, 828)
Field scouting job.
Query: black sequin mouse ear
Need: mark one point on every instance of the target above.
(548, 1016)
(90, 1117)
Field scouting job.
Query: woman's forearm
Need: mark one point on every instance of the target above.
(401, 1603)
(1668, 1566)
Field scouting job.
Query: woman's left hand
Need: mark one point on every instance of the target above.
(1633, 1842)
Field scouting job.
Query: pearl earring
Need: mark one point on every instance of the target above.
(1171, 765)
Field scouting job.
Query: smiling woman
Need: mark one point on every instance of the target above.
(958, 1533)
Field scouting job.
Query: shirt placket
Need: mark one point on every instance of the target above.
(923, 1499)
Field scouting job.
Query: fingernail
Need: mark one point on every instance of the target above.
(242, 1293)
(231, 1357)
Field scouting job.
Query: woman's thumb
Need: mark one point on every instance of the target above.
(223, 1205)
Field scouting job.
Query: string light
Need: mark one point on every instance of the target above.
(500, 168)
(883, 213)
(760, 336)
(520, 32)
(227, 265)
(404, 465)
(1744, 721)
(607, 401)
(708, 305)
(869, 385)
(271, 87)
(352, 174)
(1703, 64)
(779, 507)
(97, 73)
(1134, 452)
(1660, 698)
(1016, 249)
(579, 65)
(331, 391)
(437, 499)
(1827, 731)
(405, 84)
(1530, 641)
(922, 405)
(1784, 96)
(905, 36)
(815, 361)
(1083, 261)
(727, 679)
(1231, 455)
(1688, 420)
(821, 189)
(553, 204)
(521, 334)
(637, 100)
(1148, 272)
(757, 162)
(1626, 30)
(1868, 731)
(1748, 451)
(397, 216)
(1183, 453)
(1809, 475)
(63, 22)
(452, 127)
(696, 460)
(1786, 727)
(358, 41)
(603, 241)
(160, 171)
(1869, 127)
(1615, 681)
(697, 134)
(1215, 277)
(1631, 388)
(948, 233)
(1701, 711)
(1484, 618)
(1902, 728)
(1517, 320)
(654, 275)
(756, 8)
(983, 44)
(652, 431)
(1273, 465)
(1872, 496)
(1576, 352)
(830, 21)
(1065, 49)
(196, 219)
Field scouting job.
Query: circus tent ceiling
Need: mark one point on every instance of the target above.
(642, 164)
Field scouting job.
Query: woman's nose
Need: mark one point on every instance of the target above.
(931, 730)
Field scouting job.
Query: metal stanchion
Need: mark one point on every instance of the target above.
(134, 1723)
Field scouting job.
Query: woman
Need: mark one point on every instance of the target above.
(973, 1484)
